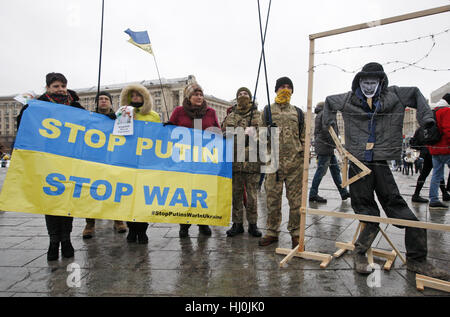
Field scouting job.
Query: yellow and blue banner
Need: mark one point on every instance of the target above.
(67, 162)
(140, 39)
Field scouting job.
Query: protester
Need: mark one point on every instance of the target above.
(194, 107)
(58, 227)
(373, 118)
(290, 163)
(104, 106)
(440, 151)
(138, 96)
(427, 165)
(246, 174)
(324, 147)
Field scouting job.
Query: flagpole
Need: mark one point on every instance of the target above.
(101, 46)
(160, 84)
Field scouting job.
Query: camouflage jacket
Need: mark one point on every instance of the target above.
(237, 120)
(291, 142)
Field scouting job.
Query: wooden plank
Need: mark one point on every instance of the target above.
(392, 221)
(345, 245)
(393, 246)
(389, 256)
(347, 156)
(324, 258)
(307, 146)
(289, 256)
(339, 253)
(423, 281)
(399, 18)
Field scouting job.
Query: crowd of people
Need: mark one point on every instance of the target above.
(369, 111)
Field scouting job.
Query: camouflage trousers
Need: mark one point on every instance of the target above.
(250, 181)
(274, 192)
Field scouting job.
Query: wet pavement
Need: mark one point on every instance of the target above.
(215, 266)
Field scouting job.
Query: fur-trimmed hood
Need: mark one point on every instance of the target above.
(125, 96)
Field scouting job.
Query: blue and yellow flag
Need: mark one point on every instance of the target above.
(140, 39)
(67, 162)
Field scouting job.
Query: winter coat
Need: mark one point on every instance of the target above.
(179, 117)
(145, 112)
(235, 120)
(389, 119)
(443, 122)
(323, 142)
(291, 142)
(111, 114)
(43, 97)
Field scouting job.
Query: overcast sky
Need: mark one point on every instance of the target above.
(217, 41)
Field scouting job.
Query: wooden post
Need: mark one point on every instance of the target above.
(306, 150)
(399, 18)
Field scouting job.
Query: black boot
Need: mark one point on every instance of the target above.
(236, 229)
(142, 233)
(418, 199)
(142, 237)
(253, 230)
(204, 229)
(184, 230)
(53, 249)
(132, 233)
(67, 249)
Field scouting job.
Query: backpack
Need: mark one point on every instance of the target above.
(300, 116)
(424, 136)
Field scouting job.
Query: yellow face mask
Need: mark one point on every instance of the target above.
(283, 96)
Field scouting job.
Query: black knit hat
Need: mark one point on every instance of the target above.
(50, 78)
(371, 70)
(103, 93)
(244, 89)
(446, 97)
(282, 81)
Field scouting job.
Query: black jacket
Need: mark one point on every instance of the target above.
(323, 143)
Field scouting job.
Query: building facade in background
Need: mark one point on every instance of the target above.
(164, 102)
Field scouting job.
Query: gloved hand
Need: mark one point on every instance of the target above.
(429, 124)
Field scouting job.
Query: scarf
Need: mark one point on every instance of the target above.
(136, 104)
(368, 105)
(192, 111)
(61, 99)
(243, 105)
(283, 96)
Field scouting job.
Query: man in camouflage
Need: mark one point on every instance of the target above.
(290, 164)
(246, 117)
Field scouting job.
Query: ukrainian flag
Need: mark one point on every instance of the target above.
(140, 39)
(67, 162)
